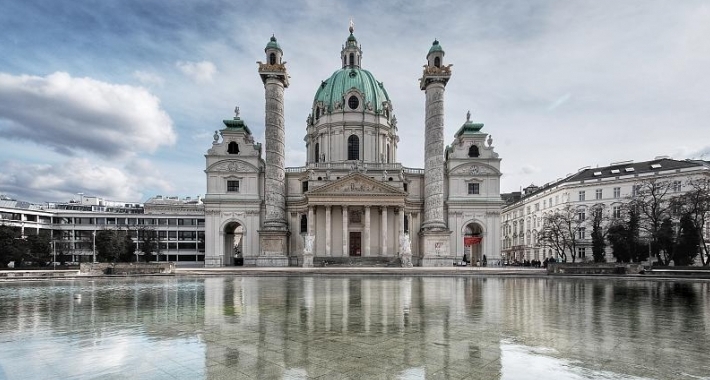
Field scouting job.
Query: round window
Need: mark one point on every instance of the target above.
(353, 102)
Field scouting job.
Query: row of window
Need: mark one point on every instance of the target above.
(129, 221)
(353, 150)
(676, 186)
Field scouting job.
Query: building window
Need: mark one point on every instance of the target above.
(474, 188)
(317, 151)
(304, 186)
(557, 199)
(304, 224)
(581, 215)
(544, 204)
(616, 211)
(388, 153)
(676, 186)
(353, 102)
(617, 192)
(473, 151)
(232, 186)
(437, 61)
(405, 187)
(581, 252)
(582, 233)
(528, 208)
(233, 148)
(598, 194)
(352, 59)
(537, 206)
(353, 146)
(582, 195)
(272, 59)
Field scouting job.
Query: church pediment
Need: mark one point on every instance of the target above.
(356, 185)
(475, 169)
(232, 166)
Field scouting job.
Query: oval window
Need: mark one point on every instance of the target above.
(353, 102)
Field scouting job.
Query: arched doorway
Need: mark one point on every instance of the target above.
(233, 243)
(473, 244)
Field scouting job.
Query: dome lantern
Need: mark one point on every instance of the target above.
(351, 54)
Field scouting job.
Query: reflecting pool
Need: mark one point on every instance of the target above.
(354, 328)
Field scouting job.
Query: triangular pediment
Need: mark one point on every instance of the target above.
(356, 184)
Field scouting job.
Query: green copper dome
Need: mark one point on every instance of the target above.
(333, 89)
(272, 44)
(435, 47)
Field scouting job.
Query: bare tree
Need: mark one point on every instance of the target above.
(148, 242)
(652, 200)
(559, 231)
(695, 203)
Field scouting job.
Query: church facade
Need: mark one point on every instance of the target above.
(352, 198)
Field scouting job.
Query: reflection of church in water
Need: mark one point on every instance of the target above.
(352, 198)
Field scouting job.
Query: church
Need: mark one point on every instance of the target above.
(352, 201)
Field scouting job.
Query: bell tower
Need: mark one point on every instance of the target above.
(434, 231)
(274, 232)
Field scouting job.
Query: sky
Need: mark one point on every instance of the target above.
(119, 99)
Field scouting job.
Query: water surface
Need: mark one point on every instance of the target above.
(354, 327)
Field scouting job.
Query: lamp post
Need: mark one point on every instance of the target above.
(54, 254)
(93, 236)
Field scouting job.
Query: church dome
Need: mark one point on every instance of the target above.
(332, 91)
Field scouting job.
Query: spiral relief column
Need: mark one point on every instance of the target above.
(434, 233)
(274, 235)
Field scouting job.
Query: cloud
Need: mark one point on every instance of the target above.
(200, 72)
(148, 78)
(60, 181)
(82, 114)
(529, 169)
(560, 101)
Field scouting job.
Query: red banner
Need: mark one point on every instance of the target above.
(471, 240)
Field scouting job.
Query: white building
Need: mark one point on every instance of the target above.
(610, 186)
(352, 196)
(179, 224)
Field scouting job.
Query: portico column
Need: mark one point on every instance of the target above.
(311, 220)
(345, 231)
(384, 231)
(401, 222)
(367, 231)
(327, 231)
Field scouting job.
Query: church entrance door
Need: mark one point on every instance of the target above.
(355, 244)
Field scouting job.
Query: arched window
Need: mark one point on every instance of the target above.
(353, 102)
(473, 151)
(317, 113)
(352, 59)
(317, 151)
(406, 224)
(233, 148)
(388, 154)
(353, 148)
(272, 59)
(437, 61)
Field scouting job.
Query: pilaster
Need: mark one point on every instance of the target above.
(367, 232)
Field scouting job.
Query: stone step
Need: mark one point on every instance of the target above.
(355, 261)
